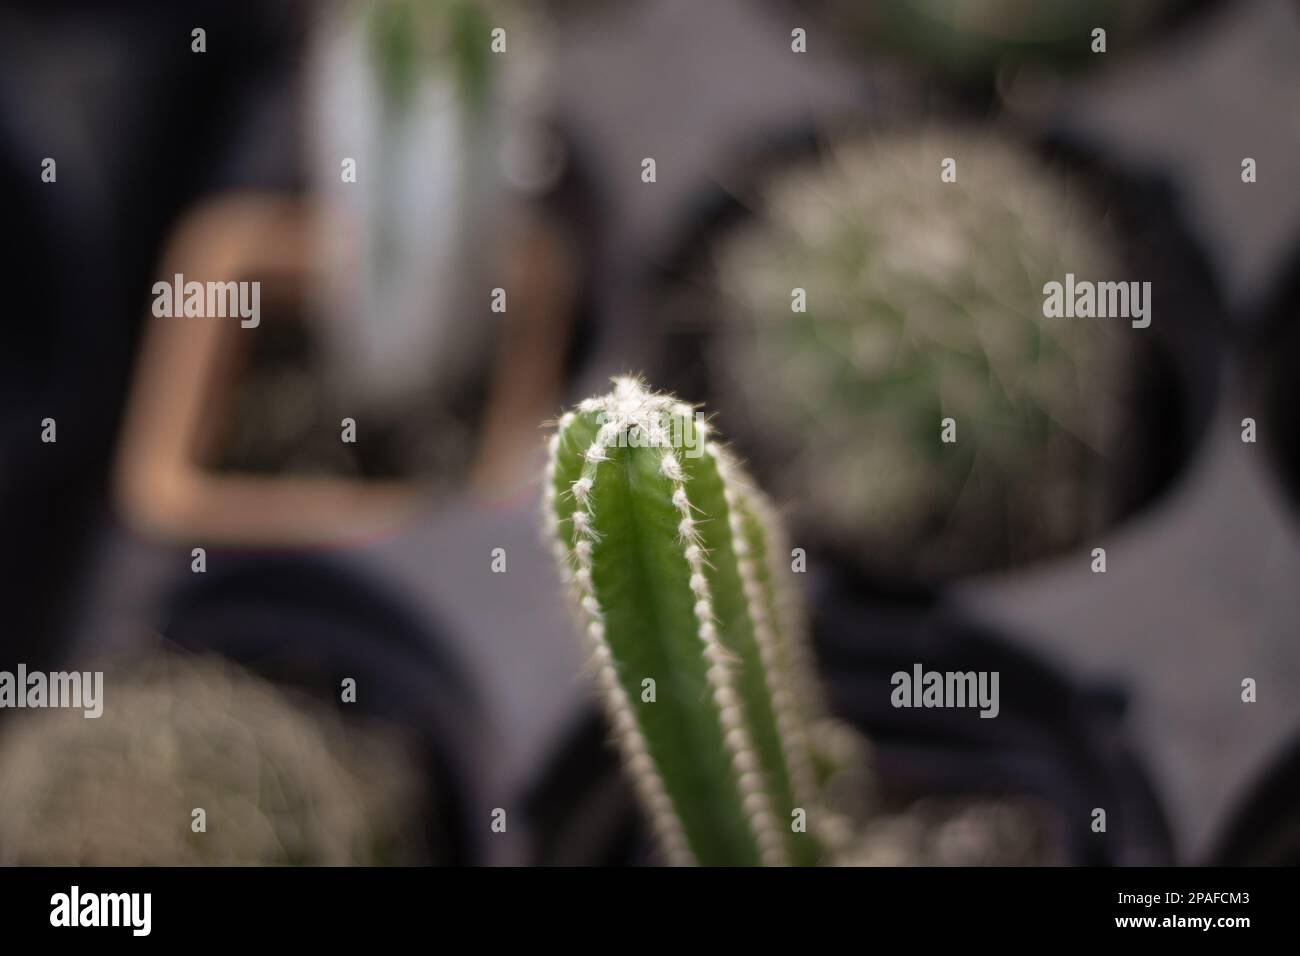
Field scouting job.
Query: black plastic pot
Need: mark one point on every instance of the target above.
(1264, 829)
(582, 811)
(1055, 743)
(308, 624)
(59, 359)
(1272, 357)
(1176, 373)
(1054, 740)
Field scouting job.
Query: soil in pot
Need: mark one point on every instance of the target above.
(283, 416)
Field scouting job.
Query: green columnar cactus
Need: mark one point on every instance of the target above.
(675, 560)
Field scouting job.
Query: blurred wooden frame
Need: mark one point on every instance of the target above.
(185, 370)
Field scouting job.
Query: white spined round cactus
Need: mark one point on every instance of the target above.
(279, 783)
(922, 301)
(973, 38)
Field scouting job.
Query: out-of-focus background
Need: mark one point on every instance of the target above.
(454, 242)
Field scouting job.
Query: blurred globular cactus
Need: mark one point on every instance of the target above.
(867, 300)
(969, 37)
(277, 782)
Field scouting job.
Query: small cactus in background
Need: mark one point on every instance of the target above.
(976, 37)
(407, 36)
(924, 302)
(278, 783)
(677, 564)
(960, 831)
